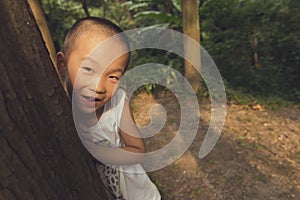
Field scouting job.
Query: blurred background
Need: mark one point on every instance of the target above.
(254, 43)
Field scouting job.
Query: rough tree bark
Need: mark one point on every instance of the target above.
(191, 28)
(41, 156)
(85, 8)
(41, 21)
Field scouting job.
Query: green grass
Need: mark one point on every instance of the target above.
(175, 167)
(250, 120)
(210, 160)
(297, 155)
(242, 142)
(196, 192)
(272, 102)
(258, 146)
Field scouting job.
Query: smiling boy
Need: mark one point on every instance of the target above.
(95, 58)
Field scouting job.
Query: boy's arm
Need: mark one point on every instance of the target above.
(131, 153)
(129, 132)
(111, 155)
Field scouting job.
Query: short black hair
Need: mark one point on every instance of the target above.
(87, 24)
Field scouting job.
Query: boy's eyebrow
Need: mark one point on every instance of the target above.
(119, 69)
(85, 59)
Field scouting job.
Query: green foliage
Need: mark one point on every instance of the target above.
(148, 13)
(241, 97)
(144, 56)
(229, 30)
(61, 14)
(161, 16)
(232, 31)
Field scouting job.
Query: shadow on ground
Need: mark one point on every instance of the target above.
(256, 157)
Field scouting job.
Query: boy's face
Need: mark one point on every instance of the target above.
(94, 73)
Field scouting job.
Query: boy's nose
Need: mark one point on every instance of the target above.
(100, 87)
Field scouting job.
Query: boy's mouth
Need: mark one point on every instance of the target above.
(88, 98)
(91, 101)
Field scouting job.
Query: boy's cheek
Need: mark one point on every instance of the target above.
(115, 89)
(69, 88)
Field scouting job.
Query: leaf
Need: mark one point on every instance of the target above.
(164, 17)
(139, 5)
(127, 3)
(177, 4)
(174, 75)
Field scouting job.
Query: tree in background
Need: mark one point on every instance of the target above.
(255, 44)
(40, 19)
(191, 28)
(41, 154)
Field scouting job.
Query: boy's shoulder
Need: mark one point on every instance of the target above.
(118, 100)
(121, 93)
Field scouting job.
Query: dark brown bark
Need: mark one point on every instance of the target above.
(104, 8)
(191, 28)
(255, 54)
(85, 8)
(40, 19)
(41, 156)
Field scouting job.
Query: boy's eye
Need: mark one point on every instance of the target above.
(115, 78)
(88, 69)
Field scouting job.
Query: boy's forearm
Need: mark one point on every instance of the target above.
(125, 155)
(132, 149)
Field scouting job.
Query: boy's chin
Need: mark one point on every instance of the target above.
(87, 110)
(81, 108)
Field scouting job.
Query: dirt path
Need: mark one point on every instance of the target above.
(256, 157)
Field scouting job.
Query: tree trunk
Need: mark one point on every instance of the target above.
(255, 54)
(41, 154)
(41, 21)
(104, 8)
(191, 28)
(85, 8)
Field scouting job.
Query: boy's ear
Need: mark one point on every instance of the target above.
(61, 64)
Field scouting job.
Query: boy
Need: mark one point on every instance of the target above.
(92, 64)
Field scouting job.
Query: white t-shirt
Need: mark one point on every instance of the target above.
(132, 181)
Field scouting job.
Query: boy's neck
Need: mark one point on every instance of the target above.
(90, 119)
(99, 112)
